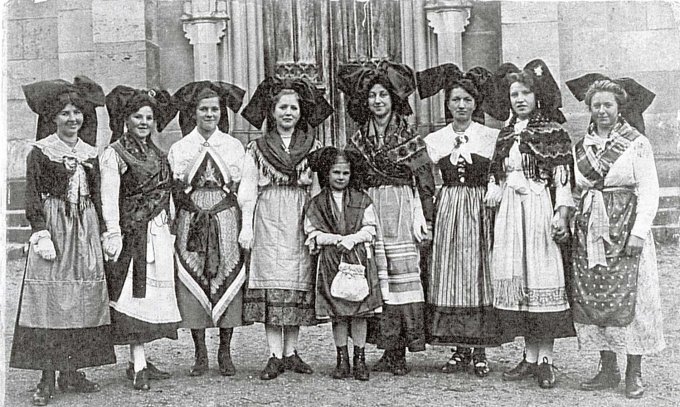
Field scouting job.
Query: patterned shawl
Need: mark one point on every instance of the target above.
(544, 145)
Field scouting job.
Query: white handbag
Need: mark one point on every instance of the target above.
(350, 282)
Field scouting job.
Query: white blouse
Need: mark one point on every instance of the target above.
(636, 168)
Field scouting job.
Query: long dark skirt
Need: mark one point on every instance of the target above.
(399, 327)
(61, 349)
(279, 307)
(130, 330)
(535, 325)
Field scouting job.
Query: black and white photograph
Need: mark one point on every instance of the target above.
(340, 203)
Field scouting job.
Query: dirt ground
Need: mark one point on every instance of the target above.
(424, 386)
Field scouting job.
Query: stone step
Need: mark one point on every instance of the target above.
(666, 234)
(16, 217)
(667, 216)
(18, 234)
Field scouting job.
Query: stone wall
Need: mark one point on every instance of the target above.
(640, 40)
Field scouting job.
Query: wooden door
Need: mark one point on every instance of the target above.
(310, 38)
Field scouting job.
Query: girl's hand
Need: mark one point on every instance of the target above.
(345, 245)
(419, 225)
(634, 246)
(45, 249)
(245, 238)
(493, 195)
(112, 245)
(559, 229)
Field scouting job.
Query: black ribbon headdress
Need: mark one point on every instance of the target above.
(123, 101)
(188, 96)
(546, 91)
(314, 108)
(447, 76)
(47, 98)
(356, 80)
(639, 97)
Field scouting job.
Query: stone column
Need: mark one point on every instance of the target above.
(204, 22)
(448, 18)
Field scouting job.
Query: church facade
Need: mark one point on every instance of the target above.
(167, 43)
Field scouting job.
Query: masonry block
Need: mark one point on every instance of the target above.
(121, 63)
(75, 31)
(585, 49)
(626, 16)
(579, 15)
(660, 16)
(77, 63)
(21, 121)
(522, 43)
(22, 9)
(522, 12)
(40, 38)
(74, 5)
(116, 21)
(15, 39)
(22, 72)
(17, 151)
(635, 50)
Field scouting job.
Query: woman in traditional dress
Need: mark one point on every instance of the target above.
(206, 165)
(63, 317)
(531, 160)
(342, 227)
(277, 183)
(616, 288)
(136, 187)
(459, 307)
(400, 182)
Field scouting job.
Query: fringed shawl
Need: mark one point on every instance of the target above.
(284, 168)
(400, 157)
(544, 145)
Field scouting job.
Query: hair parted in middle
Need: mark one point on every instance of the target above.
(322, 160)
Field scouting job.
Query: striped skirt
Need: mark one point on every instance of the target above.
(459, 307)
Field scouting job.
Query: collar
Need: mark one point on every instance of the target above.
(56, 150)
(216, 139)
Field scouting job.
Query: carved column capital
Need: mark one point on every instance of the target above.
(448, 16)
(204, 21)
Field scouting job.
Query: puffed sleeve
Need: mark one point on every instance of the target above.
(426, 189)
(247, 189)
(647, 184)
(563, 193)
(32, 198)
(110, 188)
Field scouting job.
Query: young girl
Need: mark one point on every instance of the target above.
(340, 223)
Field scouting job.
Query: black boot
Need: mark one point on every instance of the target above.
(76, 382)
(342, 365)
(608, 376)
(224, 353)
(399, 367)
(385, 362)
(522, 371)
(200, 366)
(273, 369)
(359, 362)
(545, 374)
(45, 388)
(634, 387)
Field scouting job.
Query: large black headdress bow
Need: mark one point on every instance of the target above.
(444, 77)
(356, 79)
(123, 101)
(187, 98)
(46, 99)
(314, 108)
(546, 91)
(639, 97)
